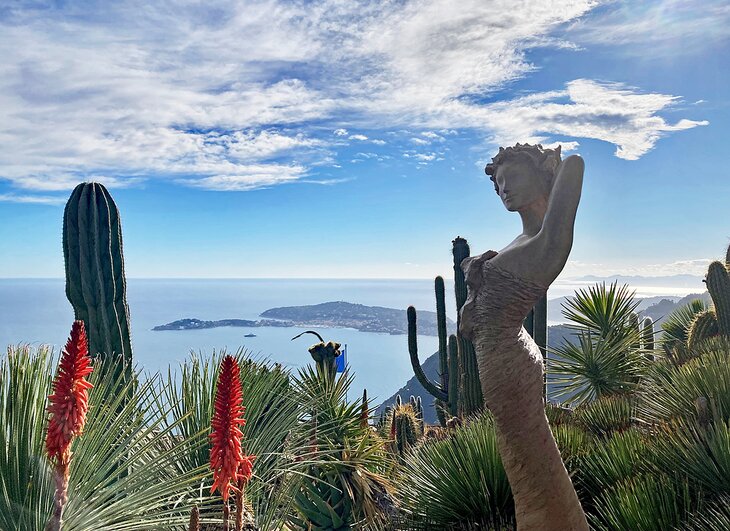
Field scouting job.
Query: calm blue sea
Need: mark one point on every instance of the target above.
(36, 311)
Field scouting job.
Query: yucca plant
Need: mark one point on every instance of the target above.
(603, 311)
(594, 367)
(459, 482)
(123, 475)
(605, 358)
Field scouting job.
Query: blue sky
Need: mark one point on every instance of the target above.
(348, 139)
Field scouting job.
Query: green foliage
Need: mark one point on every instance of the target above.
(700, 453)
(606, 358)
(458, 482)
(643, 503)
(605, 312)
(672, 392)
(95, 281)
(272, 421)
(120, 434)
(344, 483)
(608, 462)
(595, 367)
(676, 330)
(607, 415)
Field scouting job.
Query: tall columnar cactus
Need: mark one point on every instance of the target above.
(471, 399)
(94, 263)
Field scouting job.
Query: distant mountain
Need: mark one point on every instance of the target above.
(670, 281)
(659, 311)
(555, 306)
(328, 314)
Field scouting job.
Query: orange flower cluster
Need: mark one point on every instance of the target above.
(69, 402)
(227, 460)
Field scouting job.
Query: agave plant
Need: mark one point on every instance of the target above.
(123, 474)
(345, 483)
(608, 414)
(458, 482)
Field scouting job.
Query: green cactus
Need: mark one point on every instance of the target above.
(714, 321)
(470, 389)
(404, 429)
(718, 284)
(647, 334)
(95, 281)
(703, 327)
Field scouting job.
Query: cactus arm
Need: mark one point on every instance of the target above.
(718, 284)
(427, 384)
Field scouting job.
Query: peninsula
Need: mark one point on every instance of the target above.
(326, 315)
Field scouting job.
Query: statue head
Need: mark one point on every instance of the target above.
(523, 174)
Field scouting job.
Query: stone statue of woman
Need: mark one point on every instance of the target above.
(502, 288)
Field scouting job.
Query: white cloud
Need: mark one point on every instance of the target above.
(35, 199)
(602, 111)
(657, 27)
(226, 94)
(378, 142)
(249, 178)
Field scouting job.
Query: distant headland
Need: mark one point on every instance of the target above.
(326, 315)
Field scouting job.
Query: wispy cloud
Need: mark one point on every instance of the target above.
(240, 95)
(34, 199)
(659, 27)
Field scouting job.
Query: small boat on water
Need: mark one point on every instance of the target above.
(250, 335)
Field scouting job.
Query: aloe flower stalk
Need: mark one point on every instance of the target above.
(227, 460)
(68, 405)
(245, 471)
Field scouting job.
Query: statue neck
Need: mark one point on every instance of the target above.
(532, 216)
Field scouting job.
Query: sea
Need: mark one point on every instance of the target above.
(36, 311)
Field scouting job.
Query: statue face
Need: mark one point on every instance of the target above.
(520, 185)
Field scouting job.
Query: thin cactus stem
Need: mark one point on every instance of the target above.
(442, 334)
(427, 384)
(718, 284)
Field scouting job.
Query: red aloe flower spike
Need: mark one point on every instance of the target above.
(69, 402)
(226, 453)
(68, 406)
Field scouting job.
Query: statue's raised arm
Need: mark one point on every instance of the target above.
(545, 191)
(502, 289)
